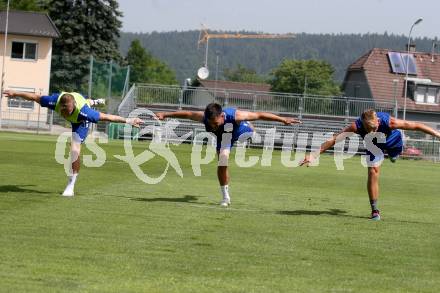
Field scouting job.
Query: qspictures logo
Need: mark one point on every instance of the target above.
(163, 136)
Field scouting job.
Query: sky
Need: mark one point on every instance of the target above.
(284, 16)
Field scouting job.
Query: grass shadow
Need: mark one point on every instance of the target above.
(331, 212)
(20, 189)
(186, 198)
(339, 213)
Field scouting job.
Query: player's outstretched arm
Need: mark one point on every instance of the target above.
(192, 115)
(329, 143)
(410, 125)
(252, 116)
(115, 118)
(27, 96)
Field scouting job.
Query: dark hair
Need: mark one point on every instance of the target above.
(213, 110)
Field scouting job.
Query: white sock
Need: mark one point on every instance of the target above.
(225, 191)
(72, 180)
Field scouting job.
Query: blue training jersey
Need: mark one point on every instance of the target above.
(229, 119)
(86, 113)
(237, 128)
(393, 136)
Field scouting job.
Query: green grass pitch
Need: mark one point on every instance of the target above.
(288, 230)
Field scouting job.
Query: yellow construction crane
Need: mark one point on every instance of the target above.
(205, 36)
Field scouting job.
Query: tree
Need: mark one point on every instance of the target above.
(87, 28)
(304, 76)
(144, 68)
(243, 74)
(26, 5)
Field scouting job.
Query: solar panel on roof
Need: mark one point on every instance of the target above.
(396, 62)
(399, 60)
(412, 67)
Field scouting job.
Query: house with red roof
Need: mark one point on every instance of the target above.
(380, 75)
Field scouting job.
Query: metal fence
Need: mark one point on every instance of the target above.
(300, 105)
(320, 114)
(28, 119)
(128, 103)
(304, 137)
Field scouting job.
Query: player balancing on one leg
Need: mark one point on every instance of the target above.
(75, 109)
(217, 121)
(372, 122)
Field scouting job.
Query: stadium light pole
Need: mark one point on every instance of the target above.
(3, 63)
(407, 62)
(217, 53)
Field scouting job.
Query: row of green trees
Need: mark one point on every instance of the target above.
(314, 77)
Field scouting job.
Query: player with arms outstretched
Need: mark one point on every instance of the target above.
(372, 122)
(217, 120)
(75, 109)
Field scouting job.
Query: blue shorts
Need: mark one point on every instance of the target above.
(392, 152)
(245, 130)
(393, 147)
(81, 129)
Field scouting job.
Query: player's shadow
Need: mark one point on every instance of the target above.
(19, 189)
(338, 213)
(331, 212)
(186, 198)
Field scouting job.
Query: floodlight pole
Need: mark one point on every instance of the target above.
(89, 92)
(3, 63)
(216, 72)
(110, 72)
(395, 83)
(406, 70)
(206, 52)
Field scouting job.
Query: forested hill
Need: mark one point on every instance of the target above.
(179, 50)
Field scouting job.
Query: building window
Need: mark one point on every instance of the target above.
(426, 95)
(20, 103)
(24, 50)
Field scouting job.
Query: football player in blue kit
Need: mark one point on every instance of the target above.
(222, 122)
(372, 122)
(76, 109)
